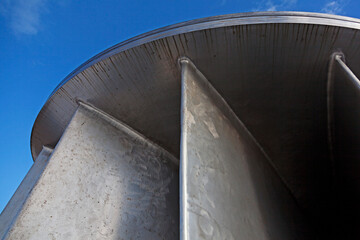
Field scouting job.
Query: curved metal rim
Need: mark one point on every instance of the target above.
(208, 23)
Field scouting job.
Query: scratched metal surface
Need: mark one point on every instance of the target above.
(271, 68)
(229, 188)
(14, 206)
(103, 181)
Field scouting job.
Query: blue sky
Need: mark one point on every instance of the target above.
(41, 41)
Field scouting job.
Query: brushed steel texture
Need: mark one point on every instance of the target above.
(229, 190)
(102, 181)
(15, 205)
(272, 69)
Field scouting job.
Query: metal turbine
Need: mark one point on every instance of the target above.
(241, 126)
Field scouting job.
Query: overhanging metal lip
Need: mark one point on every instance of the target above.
(214, 22)
(249, 18)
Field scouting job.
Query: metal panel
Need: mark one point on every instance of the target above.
(16, 203)
(270, 67)
(229, 190)
(345, 132)
(103, 181)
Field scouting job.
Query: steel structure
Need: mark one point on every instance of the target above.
(241, 126)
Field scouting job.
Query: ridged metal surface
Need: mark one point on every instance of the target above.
(127, 78)
(271, 68)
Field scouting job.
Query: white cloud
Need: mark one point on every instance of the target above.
(271, 8)
(270, 5)
(24, 16)
(333, 7)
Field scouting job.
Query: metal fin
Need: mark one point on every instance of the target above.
(229, 190)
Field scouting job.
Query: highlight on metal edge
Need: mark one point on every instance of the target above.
(109, 175)
(225, 174)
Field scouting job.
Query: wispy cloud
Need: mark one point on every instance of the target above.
(223, 2)
(333, 7)
(270, 5)
(23, 16)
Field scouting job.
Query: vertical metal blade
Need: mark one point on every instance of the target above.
(103, 181)
(228, 188)
(14, 206)
(345, 138)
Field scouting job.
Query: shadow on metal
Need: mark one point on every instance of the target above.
(102, 181)
(345, 132)
(269, 138)
(230, 189)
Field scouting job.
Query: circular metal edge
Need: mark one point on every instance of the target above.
(247, 18)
